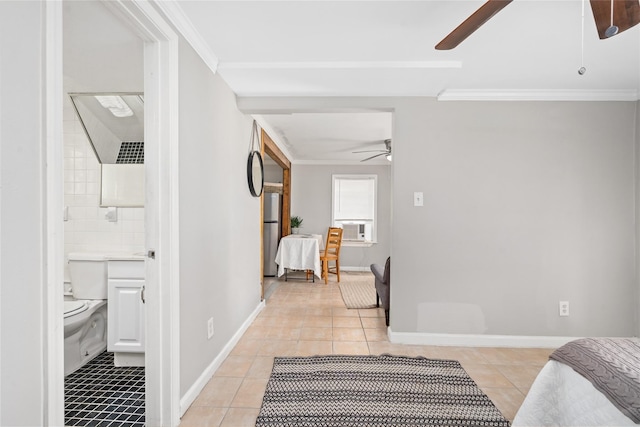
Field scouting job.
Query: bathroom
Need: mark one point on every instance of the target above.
(93, 64)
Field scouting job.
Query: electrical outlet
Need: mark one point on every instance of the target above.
(563, 308)
(210, 328)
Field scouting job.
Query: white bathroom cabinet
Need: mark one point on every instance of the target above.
(126, 311)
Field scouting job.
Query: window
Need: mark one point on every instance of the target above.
(354, 207)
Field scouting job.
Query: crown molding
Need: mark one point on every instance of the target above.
(339, 65)
(538, 95)
(275, 137)
(174, 13)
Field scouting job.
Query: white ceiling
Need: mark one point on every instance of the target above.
(366, 48)
(331, 137)
(530, 50)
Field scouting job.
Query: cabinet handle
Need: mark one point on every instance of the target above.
(142, 295)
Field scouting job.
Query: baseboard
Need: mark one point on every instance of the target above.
(471, 340)
(343, 268)
(193, 392)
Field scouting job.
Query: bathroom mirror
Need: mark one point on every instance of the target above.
(114, 125)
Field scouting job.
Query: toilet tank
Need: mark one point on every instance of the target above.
(88, 274)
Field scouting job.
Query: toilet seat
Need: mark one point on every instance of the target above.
(74, 307)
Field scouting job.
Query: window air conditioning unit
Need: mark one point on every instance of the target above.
(353, 232)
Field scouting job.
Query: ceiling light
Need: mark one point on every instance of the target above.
(613, 29)
(115, 104)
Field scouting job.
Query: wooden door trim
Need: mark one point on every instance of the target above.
(271, 149)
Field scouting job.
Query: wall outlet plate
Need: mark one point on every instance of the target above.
(563, 308)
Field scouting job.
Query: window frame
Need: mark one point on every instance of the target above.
(374, 226)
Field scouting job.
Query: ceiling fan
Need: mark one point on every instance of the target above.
(612, 17)
(386, 152)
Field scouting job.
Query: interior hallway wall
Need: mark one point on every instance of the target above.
(272, 173)
(526, 204)
(311, 199)
(219, 219)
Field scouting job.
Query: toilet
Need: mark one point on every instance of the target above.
(85, 314)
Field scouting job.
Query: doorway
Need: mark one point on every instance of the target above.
(161, 220)
(278, 169)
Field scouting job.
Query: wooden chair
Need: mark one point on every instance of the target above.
(331, 253)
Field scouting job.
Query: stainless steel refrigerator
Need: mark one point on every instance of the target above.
(271, 232)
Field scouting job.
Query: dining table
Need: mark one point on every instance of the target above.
(300, 252)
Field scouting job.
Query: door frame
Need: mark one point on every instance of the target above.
(161, 211)
(270, 148)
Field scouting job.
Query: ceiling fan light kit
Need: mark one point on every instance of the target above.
(615, 16)
(612, 30)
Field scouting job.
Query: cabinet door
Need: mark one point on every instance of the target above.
(125, 316)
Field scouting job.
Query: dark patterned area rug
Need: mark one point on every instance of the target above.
(373, 391)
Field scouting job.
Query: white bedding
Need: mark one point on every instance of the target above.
(561, 397)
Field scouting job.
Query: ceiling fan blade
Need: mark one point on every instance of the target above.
(626, 14)
(373, 157)
(472, 23)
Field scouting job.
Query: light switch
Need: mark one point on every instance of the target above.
(418, 198)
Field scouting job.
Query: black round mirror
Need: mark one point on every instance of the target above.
(255, 173)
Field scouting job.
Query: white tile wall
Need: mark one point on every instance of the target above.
(87, 229)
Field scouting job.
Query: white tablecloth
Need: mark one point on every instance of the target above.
(300, 252)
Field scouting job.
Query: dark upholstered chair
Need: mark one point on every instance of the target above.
(382, 286)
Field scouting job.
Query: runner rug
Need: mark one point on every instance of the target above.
(373, 391)
(358, 291)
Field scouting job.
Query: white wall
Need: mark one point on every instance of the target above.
(219, 220)
(526, 204)
(272, 173)
(22, 229)
(311, 200)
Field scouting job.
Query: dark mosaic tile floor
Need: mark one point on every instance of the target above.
(100, 394)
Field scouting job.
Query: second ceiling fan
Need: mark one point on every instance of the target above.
(386, 152)
(612, 17)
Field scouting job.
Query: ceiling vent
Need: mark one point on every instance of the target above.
(131, 153)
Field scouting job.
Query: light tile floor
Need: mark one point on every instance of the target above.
(304, 319)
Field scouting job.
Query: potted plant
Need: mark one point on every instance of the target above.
(296, 223)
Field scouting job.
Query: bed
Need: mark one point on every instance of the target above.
(586, 382)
